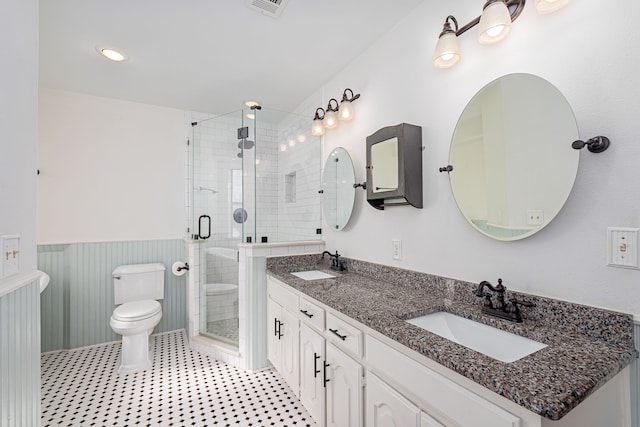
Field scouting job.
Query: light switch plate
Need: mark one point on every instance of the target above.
(10, 247)
(622, 247)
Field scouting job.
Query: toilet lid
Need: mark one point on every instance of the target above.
(137, 310)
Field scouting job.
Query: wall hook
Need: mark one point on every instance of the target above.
(597, 144)
(447, 169)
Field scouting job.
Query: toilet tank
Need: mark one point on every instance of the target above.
(137, 282)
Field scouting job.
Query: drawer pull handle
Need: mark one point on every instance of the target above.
(306, 313)
(275, 327)
(280, 325)
(335, 332)
(316, 371)
(326, 380)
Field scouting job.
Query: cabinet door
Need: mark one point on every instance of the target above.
(273, 339)
(388, 408)
(311, 375)
(344, 389)
(290, 341)
(427, 421)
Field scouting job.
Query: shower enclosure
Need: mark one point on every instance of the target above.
(254, 178)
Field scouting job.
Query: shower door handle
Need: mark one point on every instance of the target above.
(200, 226)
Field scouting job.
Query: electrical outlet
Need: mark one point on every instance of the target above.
(397, 249)
(10, 246)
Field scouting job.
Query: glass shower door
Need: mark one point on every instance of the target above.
(218, 222)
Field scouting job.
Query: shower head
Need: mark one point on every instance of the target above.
(248, 144)
(200, 188)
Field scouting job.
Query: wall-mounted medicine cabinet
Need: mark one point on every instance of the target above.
(394, 166)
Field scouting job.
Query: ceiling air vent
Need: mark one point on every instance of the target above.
(272, 8)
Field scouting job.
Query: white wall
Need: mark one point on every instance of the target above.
(18, 124)
(589, 51)
(110, 170)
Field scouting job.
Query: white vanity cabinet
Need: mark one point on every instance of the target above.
(344, 389)
(312, 371)
(388, 408)
(283, 337)
(330, 380)
(349, 375)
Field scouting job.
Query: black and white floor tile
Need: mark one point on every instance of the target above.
(184, 388)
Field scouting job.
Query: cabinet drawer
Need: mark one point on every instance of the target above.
(282, 296)
(344, 335)
(312, 314)
(433, 392)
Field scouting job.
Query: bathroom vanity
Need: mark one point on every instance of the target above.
(345, 348)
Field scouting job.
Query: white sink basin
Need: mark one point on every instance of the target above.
(312, 275)
(43, 281)
(493, 342)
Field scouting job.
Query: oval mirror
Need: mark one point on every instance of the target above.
(338, 193)
(513, 165)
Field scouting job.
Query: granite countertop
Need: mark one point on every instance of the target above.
(585, 346)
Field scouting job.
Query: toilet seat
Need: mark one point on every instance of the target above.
(136, 310)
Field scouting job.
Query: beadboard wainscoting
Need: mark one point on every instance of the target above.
(78, 303)
(20, 357)
(635, 379)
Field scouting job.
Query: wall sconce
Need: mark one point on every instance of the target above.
(549, 6)
(345, 112)
(328, 119)
(317, 128)
(493, 26)
(331, 116)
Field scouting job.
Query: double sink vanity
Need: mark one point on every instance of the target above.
(376, 345)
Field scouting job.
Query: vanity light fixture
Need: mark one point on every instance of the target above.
(345, 112)
(317, 128)
(328, 119)
(495, 22)
(331, 116)
(549, 6)
(493, 26)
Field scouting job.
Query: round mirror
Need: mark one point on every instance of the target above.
(513, 165)
(338, 193)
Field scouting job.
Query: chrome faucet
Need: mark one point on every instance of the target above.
(336, 263)
(509, 312)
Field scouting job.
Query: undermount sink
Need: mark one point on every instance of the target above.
(490, 341)
(312, 275)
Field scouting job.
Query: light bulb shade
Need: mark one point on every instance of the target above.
(317, 128)
(549, 6)
(345, 112)
(495, 23)
(330, 120)
(447, 52)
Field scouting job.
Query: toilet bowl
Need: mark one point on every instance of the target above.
(222, 301)
(135, 322)
(137, 288)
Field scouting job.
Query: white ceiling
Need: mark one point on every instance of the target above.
(207, 55)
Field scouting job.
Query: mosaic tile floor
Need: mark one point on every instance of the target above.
(184, 388)
(225, 330)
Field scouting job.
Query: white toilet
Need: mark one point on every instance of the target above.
(137, 288)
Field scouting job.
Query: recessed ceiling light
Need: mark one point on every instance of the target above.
(251, 103)
(112, 54)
